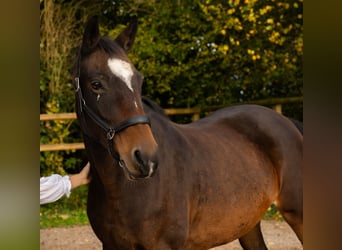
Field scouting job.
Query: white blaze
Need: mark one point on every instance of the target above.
(122, 70)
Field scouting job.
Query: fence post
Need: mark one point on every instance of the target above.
(195, 117)
(278, 108)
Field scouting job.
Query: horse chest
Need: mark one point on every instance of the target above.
(138, 215)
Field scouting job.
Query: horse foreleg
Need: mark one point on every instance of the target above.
(253, 239)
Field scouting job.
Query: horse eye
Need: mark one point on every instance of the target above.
(96, 85)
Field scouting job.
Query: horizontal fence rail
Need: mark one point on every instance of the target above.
(60, 116)
(275, 103)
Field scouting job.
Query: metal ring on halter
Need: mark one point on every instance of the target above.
(110, 134)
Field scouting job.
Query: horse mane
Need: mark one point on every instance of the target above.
(152, 105)
(107, 45)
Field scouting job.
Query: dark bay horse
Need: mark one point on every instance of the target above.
(160, 185)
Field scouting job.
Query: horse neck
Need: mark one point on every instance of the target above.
(105, 168)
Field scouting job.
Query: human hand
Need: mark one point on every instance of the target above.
(81, 178)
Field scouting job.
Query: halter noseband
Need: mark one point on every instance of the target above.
(110, 130)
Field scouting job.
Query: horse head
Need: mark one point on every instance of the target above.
(108, 94)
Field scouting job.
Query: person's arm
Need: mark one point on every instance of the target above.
(55, 186)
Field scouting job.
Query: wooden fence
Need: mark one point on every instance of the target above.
(275, 103)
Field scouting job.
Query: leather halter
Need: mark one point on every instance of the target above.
(110, 130)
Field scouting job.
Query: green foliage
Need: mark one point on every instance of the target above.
(272, 214)
(55, 132)
(201, 53)
(224, 52)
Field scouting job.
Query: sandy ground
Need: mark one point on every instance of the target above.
(278, 236)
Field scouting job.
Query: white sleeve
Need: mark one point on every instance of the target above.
(53, 188)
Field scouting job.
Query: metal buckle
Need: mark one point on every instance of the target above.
(110, 134)
(77, 85)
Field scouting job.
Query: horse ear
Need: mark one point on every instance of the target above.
(91, 35)
(127, 36)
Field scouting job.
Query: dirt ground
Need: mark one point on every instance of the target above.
(278, 236)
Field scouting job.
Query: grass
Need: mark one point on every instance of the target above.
(49, 219)
(66, 212)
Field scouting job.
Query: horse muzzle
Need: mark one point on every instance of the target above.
(140, 166)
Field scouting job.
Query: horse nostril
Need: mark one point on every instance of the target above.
(141, 164)
(138, 158)
(144, 164)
